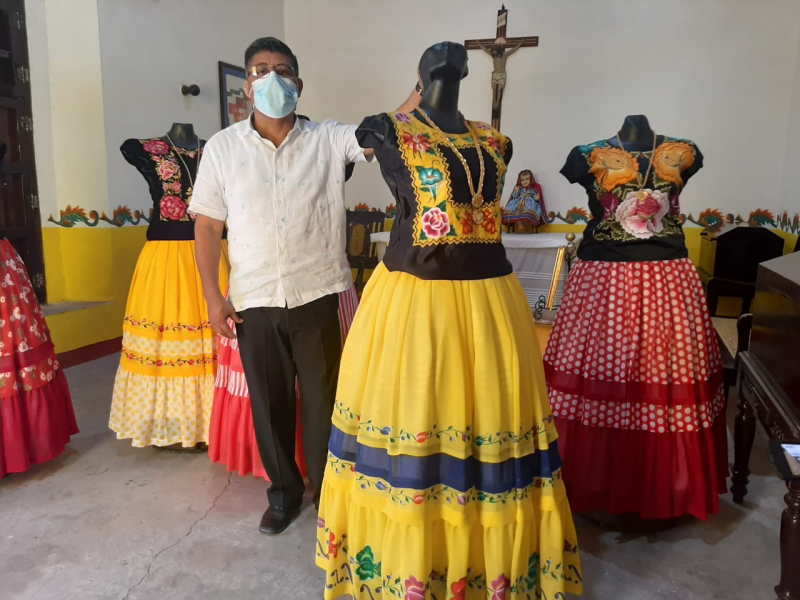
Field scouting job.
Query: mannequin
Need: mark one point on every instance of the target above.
(619, 467)
(158, 400)
(183, 136)
(635, 133)
(442, 335)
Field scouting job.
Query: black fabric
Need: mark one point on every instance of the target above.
(169, 220)
(454, 261)
(600, 242)
(277, 344)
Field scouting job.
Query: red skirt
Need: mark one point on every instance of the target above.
(635, 381)
(232, 436)
(36, 414)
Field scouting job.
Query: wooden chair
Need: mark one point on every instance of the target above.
(361, 252)
(733, 334)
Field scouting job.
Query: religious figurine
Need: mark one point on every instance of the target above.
(500, 48)
(499, 51)
(525, 211)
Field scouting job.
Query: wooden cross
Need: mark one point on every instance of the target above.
(500, 49)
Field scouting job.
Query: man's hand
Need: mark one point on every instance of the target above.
(219, 311)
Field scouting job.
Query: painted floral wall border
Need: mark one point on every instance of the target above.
(122, 215)
(713, 218)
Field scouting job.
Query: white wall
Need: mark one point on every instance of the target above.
(67, 104)
(790, 196)
(719, 72)
(149, 48)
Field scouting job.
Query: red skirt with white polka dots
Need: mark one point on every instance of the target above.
(635, 381)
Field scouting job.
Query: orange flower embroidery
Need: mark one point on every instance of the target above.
(671, 159)
(613, 167)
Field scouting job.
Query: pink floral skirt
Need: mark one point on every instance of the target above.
(635, 382)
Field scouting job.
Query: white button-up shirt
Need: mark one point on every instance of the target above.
(284, 209)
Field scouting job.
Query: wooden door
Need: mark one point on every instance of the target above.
(20, 220)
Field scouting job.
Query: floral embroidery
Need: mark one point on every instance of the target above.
(415, 589)
(360, 570)
(459, 589)
(147, 324)
(641, 213)
(420, 149)
(499, 588)
(418, 142)
(174, 362)
(671, 159)
(435, 223)
(366, 567)
(439, 493)
(613, 167)
(167, 169)
(173, 208)
(157, 147)
(172, 187)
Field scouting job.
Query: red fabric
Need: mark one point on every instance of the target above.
(36, 414)
(232, 438)
(635, 381)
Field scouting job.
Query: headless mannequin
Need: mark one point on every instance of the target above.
(636, 134)
(441, 69)
(183, 136)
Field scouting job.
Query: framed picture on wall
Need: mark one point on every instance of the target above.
(234, 104)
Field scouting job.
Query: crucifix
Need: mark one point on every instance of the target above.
(500, 49)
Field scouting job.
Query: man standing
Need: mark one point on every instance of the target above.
(278, 182)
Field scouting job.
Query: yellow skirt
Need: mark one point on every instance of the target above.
(164, 387)
(443, 476)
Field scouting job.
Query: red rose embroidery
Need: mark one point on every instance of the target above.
(422, 436)
(493, 143)
(415, 589)
(419, 499)
(173, 208)
(435, 223)
(156, 147)
(167, 169)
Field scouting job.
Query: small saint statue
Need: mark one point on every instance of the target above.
(525, 211)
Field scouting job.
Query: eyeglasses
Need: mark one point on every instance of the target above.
(262, 70)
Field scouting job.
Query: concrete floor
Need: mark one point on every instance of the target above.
(107, 521)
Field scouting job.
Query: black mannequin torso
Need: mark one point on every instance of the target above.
(183, 136)
(636, 134)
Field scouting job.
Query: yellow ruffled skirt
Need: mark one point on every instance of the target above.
(164, 389)
(443, 477)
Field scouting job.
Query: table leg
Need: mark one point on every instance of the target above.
(789, 587)
(744, 433)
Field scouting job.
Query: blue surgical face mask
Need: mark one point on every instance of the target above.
(274, 96)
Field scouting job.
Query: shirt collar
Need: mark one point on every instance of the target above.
(300, 125)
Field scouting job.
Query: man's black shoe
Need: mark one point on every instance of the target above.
(276, 520)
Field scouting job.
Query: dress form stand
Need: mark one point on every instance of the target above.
(636, 135)
(183, 136)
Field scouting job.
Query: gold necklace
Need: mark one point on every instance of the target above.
(477, 195)
(639, 193)
(188, 171)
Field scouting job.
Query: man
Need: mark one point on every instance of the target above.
(278, 182)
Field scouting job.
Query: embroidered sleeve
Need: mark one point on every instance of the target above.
(373, 131)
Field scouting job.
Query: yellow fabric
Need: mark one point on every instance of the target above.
(449, 367)
(164, 387)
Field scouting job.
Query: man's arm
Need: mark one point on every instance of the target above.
(210, 209)
(208, 250)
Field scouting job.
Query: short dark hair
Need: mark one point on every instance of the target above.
(270, 44)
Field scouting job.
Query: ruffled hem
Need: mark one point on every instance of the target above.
(36, 426)
(161, 411)
(657, 475)
(367, 554)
